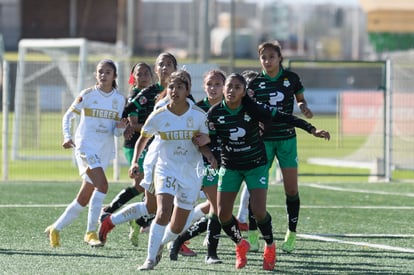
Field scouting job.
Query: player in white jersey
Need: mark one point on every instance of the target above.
(100, 108)
(176, 181)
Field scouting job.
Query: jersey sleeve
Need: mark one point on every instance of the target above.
(293, 120)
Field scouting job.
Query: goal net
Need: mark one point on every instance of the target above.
(50, 74)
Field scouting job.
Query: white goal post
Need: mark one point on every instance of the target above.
(50, 74)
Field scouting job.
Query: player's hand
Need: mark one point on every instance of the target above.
(322, 134)
(201, 139)
(129, 132)
(213, 162)
(133, 171)
(68, 144)
(122, 123)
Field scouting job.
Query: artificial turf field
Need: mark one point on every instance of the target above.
(344, 228)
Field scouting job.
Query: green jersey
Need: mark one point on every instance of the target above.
(278, 93)
(242, 147)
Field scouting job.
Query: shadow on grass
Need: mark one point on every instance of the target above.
(4, 251)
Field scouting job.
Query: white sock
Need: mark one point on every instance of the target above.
(132, 211)
(168, 235)
(156, 234)
(71, 212)
(197, 212)
(95, 206)
(244, 205)
(190, 220)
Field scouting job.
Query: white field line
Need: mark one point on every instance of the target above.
(321, 186)
(365, 244)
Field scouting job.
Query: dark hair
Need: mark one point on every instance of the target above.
(216, 72)
(182, 75)
(238, 77)
(169, 55)
(139, 64)
(112, 64)
(275, 45)
(249, 75)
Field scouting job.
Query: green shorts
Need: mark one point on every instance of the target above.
(211, 177)
(231, 180)
(129, 154)
(285, 151)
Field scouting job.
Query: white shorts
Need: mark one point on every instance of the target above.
(91, 160)
(185, 194)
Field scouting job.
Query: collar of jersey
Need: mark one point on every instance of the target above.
(273, 78)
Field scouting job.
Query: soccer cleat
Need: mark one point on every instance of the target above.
(269, 257)
(253, 239)
(241, 250)
(289, 244)
(53, 235)
(174, 248)
(105, 227)
(133, 232)
(243, 226)
(213, 260)
(185, 251)
(91, 238)
(148, 265)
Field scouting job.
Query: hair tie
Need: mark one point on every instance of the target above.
(131, 80)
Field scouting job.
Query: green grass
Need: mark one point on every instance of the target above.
(381, 213)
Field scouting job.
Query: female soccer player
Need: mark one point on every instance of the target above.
(213, 86)
(176, 182)
(100, 108)
(235, 122)
(279, 88)
(142, 105)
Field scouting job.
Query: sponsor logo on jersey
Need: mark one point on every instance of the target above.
(180, 151)
(237, 133)
(275, 98)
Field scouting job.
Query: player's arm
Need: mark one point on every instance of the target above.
(257, 110)
(142, 141)
(300, 123)
(205, 150)
(303, 105)
(67, 119)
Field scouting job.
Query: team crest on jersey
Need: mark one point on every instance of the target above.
(247, 117)
(115, 104)
(211, 126)
(190, 122)
(142, 100)
(78, 99)
(286, 82)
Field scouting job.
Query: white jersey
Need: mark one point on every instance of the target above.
(99, 112)
(177, 156)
